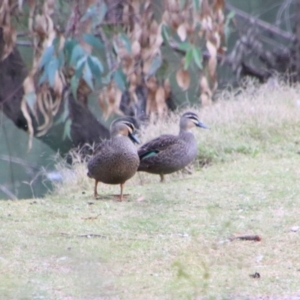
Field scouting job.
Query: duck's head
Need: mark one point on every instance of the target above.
(190, 120)
(125, 126)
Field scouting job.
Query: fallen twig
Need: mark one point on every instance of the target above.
(255, 275)
(92, 218)
(247, 237)
(87, 235)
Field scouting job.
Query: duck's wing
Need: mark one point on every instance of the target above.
(100, 146)
(157, 145)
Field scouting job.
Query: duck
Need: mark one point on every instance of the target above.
(168, 153)
(115, 160)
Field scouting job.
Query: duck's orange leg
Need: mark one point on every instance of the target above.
(121, 194)
(162, 177)
(95, 189)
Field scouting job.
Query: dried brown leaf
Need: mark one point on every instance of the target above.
(20, 5)
(167, 87)
(151, 84)
(59, 83)
(26, 114)
(218, 6)
(44, 100)
(133, 79)
(5, 13)
(206, 93)
(49, 7)
(204, 85)
(160, 99)
(136, 48)
(140, 199)
(172, 5)
(153, 27)
(40, 26)
(125, 14)
(103, 103)
(137, 32)
(176, 20)
(183, 79)
(159, 39)
(205, 99)
(10, 37)
(151, 103)
(29, 87)
(181, 31)
(205, 8)
(207, 23)
(212, 62)
(144, 40)
(109, 100)
(166, 17)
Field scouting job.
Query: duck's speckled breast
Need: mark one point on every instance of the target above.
(116, 162)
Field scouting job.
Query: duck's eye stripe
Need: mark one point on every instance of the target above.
(192, 117)
(130, 126)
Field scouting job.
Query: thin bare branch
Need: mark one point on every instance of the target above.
(273, 29)
(6, 191)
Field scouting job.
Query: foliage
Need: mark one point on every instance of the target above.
(111, 47)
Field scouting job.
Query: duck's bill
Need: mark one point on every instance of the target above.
(202, 125)
(134, 138)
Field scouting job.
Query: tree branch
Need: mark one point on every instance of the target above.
(268, 27)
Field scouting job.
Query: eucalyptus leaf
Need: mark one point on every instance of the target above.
(77, 53)
(96, 68)
(230, 15)
(115, 47)
(90, 12)
(61, 59)
(88, 76)
(97, 62)
(51, 69)
(120, 79)
(43, 78)
(63, 117)
(197, 55)
(182, 4)
(68, 48)
(184, 46)
(107, 78)
(103, 11)
(93, 41)
(55, 43)
(165, 33)
(196, 5)
(124, 38)
(67, 130)
(188, 58)
(155, 65)
(227, 30)
(74, 85)
(46, 57)
(79, 66)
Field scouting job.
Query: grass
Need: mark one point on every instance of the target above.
(172, 240)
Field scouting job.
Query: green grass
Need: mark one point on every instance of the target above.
(172, 240)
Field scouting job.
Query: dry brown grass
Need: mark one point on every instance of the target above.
(256, 120)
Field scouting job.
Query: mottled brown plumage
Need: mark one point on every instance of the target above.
(170, 153)
(115, 160)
